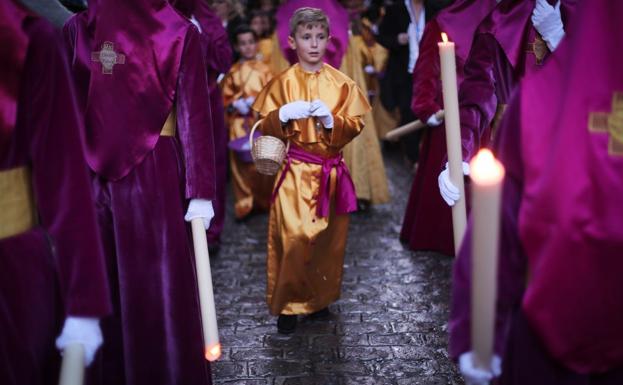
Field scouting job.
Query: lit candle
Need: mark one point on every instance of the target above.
(453, 135)
(72, 368)
(212, 346)
(486, 174)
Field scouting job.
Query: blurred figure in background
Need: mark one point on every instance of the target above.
(240, 86)
(427, 223)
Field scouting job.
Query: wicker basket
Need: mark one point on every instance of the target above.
(267, 151)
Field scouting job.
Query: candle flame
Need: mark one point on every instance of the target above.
(444, 37)
(213, 353)
(485, 169)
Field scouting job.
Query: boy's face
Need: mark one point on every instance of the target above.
(310, 43)
(247, 46)
(260, 25)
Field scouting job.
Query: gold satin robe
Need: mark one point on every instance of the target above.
(265, 50)
(363, 154)
(251, 189)
(306, 253)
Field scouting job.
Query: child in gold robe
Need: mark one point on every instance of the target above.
(318, 110)
(240, 86)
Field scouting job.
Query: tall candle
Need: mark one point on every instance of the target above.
(212, 346)
(486, 174)
(72, 368)
(453, 135)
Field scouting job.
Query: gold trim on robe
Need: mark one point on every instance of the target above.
(17, 206)
(306, 252)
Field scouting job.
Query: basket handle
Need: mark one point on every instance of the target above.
(251, 133)
(253, 130)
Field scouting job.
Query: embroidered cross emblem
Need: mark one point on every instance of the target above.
(612, 124)
(538, 48)
(108, 57)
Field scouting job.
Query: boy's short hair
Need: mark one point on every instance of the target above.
(241, 30)
(308, 15)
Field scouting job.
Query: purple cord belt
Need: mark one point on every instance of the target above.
(345, 197)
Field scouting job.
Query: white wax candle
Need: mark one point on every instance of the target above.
(453, 135)
(211, 342)
(72, 368)
(487, 175)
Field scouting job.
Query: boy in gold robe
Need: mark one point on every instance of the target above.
(240, 86)
(318, 110)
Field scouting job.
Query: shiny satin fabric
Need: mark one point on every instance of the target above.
(306, 252)
(560, 253)
(265, 50)
(363, 154)
(574, 241)
(338, 28)
(251, 189)
(218, 59)
(13, 45)
(277, 62)
(56, 268)
(133, 48)
(510, 23)
(460, 21)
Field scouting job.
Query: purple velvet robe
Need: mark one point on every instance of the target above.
(499, 58)
(559, 305)
(218, 57)
(57, 268)
(155, 335)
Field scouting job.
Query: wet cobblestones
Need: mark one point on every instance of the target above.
(389, 327)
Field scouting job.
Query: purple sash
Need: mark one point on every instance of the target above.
(345, 197)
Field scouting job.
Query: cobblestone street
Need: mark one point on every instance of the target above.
(389, 327)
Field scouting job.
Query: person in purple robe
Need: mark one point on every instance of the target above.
(218, 57)
(513, 41)
(52, 270)
(140, 68)
(427, 221)
(559, 305)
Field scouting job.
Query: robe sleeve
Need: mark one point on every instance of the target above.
(512, 260)
(427, 75)
(61, 183)
(227, 89)
(194, 121)
(217, 47)
(477, 96)
(348, 120)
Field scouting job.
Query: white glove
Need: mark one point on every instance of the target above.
(200, 208)
(241, 106)
(548, 22)
(82, 330)
(477, 376)
(294, 110)
(433, 121)
(320, 110)
(249, 100)
(449, 192)
(369, 69)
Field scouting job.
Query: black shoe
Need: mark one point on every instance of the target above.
(320, 314)
(286, 324)
(363, 205)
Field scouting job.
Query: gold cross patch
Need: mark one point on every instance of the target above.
(108, 57)
(538, 48)
(612, 124)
